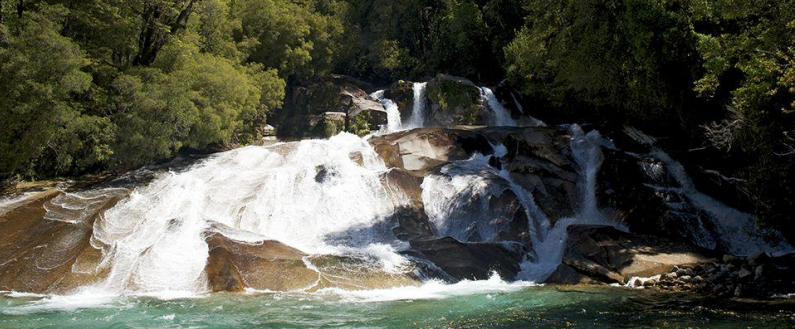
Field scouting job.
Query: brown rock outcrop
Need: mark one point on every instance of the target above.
(605, 254)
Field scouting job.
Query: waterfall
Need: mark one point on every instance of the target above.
(460, 203)
(731, 231)
(704, 220)
(501, 116)
(392, 112)
(518, 105)
(458, 200)
(587, 153)
(320, 196)
(418, 114)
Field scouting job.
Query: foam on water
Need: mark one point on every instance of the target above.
(49, 303)
(432, 289)
(638, 282)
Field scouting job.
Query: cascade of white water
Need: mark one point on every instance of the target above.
(392, 112)
(501, 115)
(320, 196)
(706, 221)
(586, 150)
(734, 231)
(588, 155)
(458, 200)
(418, 114)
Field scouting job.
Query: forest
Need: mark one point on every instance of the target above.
(91, 86)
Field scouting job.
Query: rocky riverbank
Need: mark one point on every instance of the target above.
(754, 276)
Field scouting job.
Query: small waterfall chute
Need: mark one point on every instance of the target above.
(586, 150)
(710, 223)
(418, 113)
(392, 112)
(500, 115)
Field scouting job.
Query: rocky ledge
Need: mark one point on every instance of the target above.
(755, 276)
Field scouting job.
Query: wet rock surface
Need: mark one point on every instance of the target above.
(45, 245)
(472, 261)
(492, 232)
(267, 265)
(263, 265)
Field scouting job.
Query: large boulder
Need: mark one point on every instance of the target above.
(402, 93)
(538, 159)
(419, 151)
(455, 101)
(605, 254)
(472, 261)
(268, 265)
(356, 273)
(315, 110)
(265, 265)
(410, 221)
(469, 223)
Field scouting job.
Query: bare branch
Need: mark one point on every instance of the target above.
(789, 143)
(723, 133)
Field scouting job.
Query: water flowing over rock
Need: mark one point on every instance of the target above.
(418, 113)
(501, 116)
(277, 193)
(394, 123)
(393, 209)
(46, 245)
(653, 194)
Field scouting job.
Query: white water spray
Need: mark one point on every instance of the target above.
(458, 202)
(313, 195)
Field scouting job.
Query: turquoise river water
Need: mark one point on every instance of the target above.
(431, 306)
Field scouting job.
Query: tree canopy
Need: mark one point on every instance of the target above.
(89, 85)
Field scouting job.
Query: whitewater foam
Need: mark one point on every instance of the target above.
(432, 289)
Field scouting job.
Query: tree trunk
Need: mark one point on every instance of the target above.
(161, 19)
(20, 8)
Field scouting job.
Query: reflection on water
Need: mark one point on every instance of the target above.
(528, 306)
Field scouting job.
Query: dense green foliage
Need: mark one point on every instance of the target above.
(89, 85)
(699, 72)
